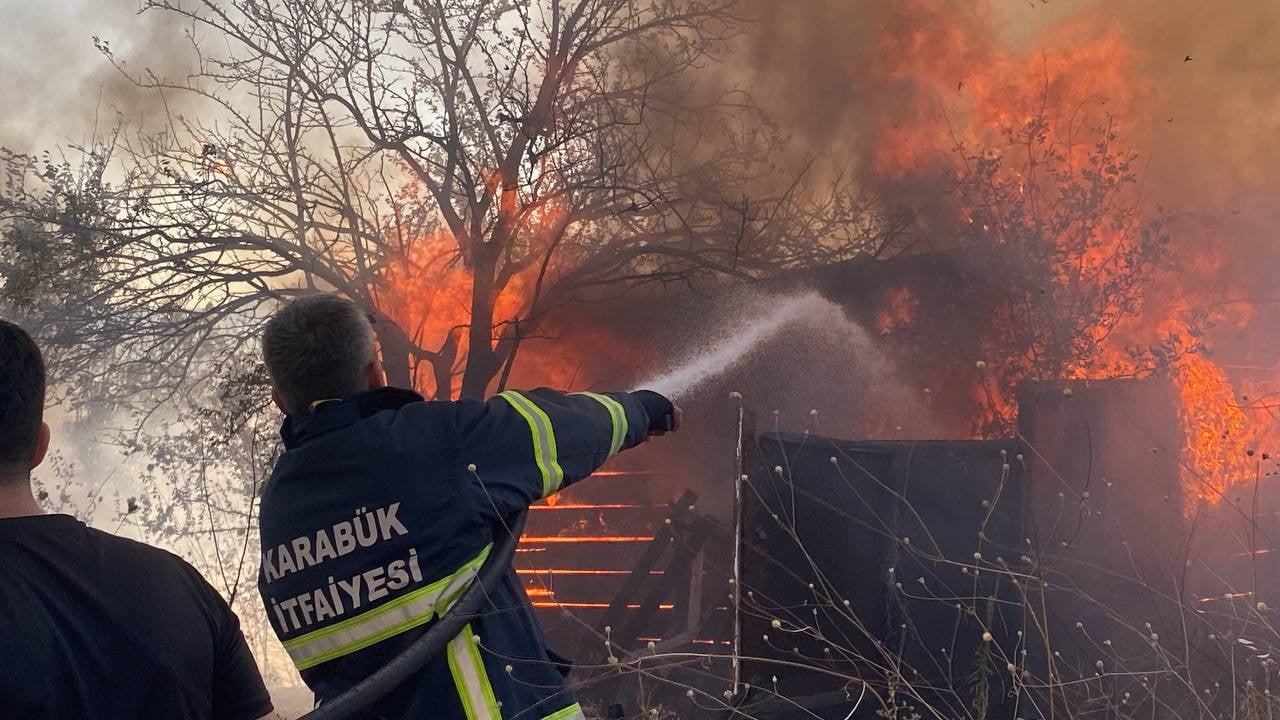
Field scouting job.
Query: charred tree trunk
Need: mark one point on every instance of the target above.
(482, 362)
(396, 351)
(442, 367)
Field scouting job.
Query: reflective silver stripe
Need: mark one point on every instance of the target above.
(470, 678)
(573, 712)
(387, 620)
(618, 415)
(544, 440)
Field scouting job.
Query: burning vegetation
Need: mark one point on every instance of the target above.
(1040, 155)
(1032, 228)
(1032, 157)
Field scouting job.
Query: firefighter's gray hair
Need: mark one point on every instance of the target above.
(317, 347)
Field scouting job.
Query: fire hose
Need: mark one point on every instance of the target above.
(433, 641)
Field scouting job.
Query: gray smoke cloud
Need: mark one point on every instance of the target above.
(57, 87)
(1203, 119)
(1205, 127)
(820, 66)
(1209, 124)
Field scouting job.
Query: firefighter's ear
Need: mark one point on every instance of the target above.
(42, 445)
(375, 375)
(279, 401)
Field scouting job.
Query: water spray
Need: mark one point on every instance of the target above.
(724, 352)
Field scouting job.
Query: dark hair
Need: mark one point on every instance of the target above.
(22, 387)
(317, 347)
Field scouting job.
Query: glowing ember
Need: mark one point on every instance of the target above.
(567, 571)
(592, 605)
(897, 309)
(579, 506)
(542, 539)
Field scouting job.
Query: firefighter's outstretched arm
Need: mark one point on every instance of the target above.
(527, 445)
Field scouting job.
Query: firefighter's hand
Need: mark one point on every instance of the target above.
(674, 422)
(664, 416)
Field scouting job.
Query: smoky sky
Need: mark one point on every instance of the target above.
(56, 87)
(1203, 120)
(818, 64)
(1208, 123)
(1206, 127)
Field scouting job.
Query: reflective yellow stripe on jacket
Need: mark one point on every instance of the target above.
(387, 620)
(573, 712)
(619, 416)
(469, 676)
(544, 440)
(472, 681)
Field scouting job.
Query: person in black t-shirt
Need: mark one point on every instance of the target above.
(93, 625)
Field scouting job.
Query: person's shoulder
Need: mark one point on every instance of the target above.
(159, 574)
(431, 414)
(139, 554)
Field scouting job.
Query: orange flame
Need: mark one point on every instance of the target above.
(537, 539)
(428, 293)
(960, 93)
(897, 309)
(427, 290)
(1219, 436)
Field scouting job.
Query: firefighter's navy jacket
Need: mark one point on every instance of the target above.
(382, 509)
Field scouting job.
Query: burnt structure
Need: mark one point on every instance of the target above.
(611, 559)
(1052, 540)
(928, 318)
(1105, 518)
(929, 568)
(867, 558)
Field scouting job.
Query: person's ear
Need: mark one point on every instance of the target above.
(374, 374)
(42, 445)
(278, 399)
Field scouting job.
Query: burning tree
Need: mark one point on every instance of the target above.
(1057, 210)
(1058, 214)
(460, 168)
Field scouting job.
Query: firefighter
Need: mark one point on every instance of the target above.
(383, 507)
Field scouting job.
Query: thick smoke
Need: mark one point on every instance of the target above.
(1192, 84)
(59, 89)
(1212, 133)
(821, 67)
(828, 71)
